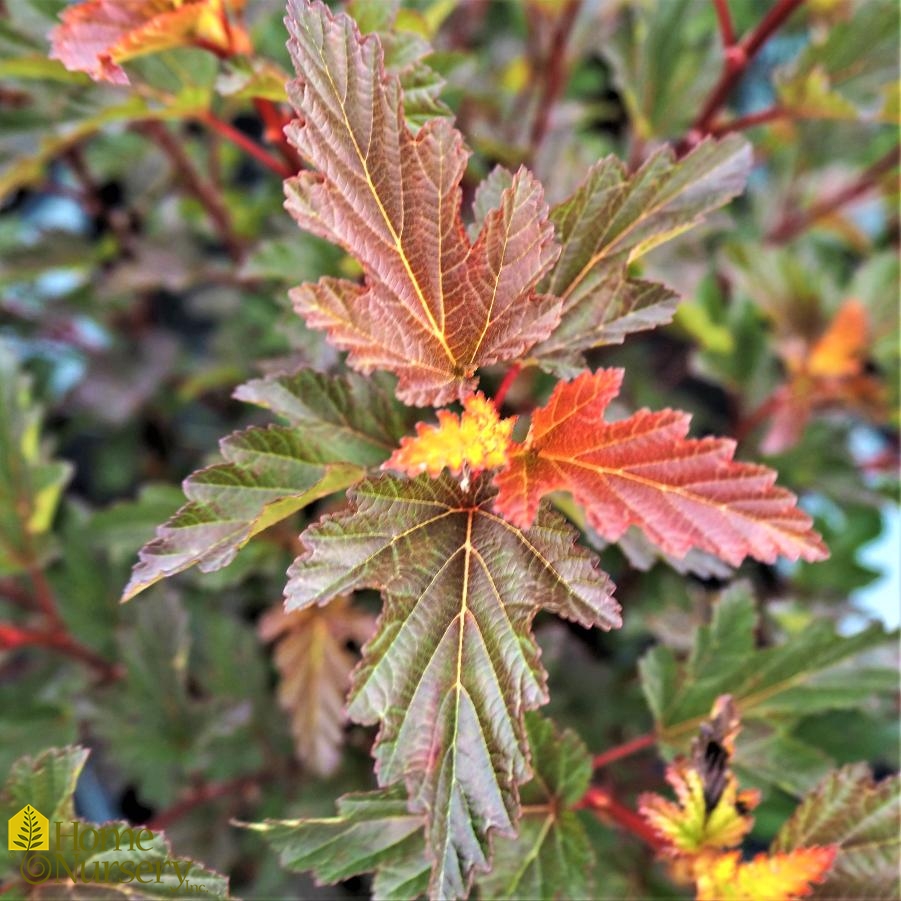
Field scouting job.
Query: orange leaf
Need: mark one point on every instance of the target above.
(97, 35)
(643, 471)
(478, 439)
(777, 877)
(841, 349)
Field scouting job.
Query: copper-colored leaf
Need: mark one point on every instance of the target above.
(314, 666)
(643, 471)
(453, 665)
(434, 306)
(97, 35)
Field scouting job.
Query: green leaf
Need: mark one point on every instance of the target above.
(799, 677)
(551, 856)
(453, 664)
(357, 418)
(841, 75)
(375, 831)
(271, 473)
(613, 219)
(859, 815)
(664, 63)
(372, 831)
(46, 782)
(30, 484)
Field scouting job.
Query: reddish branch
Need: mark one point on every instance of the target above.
(770, 114)
(601, 802)
(793, 225)
(626, 749)
(554, 73)
(737, 56)
(195, 184)
(501, 393)
(249, 146)
(58, 639)
(54, 634)
(203, 794)
(274, 122)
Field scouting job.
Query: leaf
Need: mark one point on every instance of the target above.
(800, 677)
(478, 439)
(766, 877)
(45, 782)
(434, 307)
(314, 667)
(270, 474)
(373, 831)
(551, 857)
(643, 471)
(357, 419)
(841, 72)
(95, 36)
(453, 664)
(710, 813)
(859, 815)
(30, 484)
(612, 220)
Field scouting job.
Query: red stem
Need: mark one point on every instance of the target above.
(237, 137)
(274, 123)
(601, 802)
(16, 637)
(736, 59)
(724, 18)
(505, 384)
(626, 749)
(205, 192)
(554, 74)
(743, 122)
(203, 794)
(791, 226)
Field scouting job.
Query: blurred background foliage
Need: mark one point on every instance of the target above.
(144, 265)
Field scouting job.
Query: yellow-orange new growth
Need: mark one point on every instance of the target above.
(477, 439)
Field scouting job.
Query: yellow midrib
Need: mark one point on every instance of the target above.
(433, 325)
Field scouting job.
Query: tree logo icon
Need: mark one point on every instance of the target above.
(29, 831)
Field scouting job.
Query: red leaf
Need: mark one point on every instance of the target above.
(97, 35)
(434, 307)
(643, 471)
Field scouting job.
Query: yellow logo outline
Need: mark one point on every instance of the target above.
(29, 830)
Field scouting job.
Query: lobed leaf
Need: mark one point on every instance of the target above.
(314, 668)
(683, 493)
(453, 665)
(357, 418)
(270, 474)
(95, 36)
(372, 831)
(551, 857)
(612, 220)
(862, 817)
(434, 307)
(794, 679)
